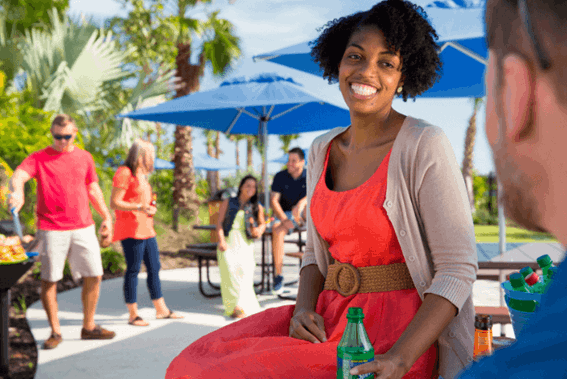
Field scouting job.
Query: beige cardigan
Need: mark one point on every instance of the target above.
(427, 204)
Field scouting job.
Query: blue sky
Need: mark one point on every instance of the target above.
(268, 25)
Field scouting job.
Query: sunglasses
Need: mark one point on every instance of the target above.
(66, 137)
(544, 61)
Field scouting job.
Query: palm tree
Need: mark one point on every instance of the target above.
(468, 156)
(286, 141)
(250, 141)
(78, 69)
(236, 138)
(220, 48)
(213, 179)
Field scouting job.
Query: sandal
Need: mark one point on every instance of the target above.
(171, 315)
(138, 321)
(238, 313)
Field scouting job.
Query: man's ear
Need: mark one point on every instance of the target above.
(517, 92)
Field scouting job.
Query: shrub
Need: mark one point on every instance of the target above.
(483, 217)
(203, 190)
(112, 260)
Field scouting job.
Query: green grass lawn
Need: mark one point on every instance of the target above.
(489, 233)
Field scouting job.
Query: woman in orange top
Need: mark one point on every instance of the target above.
(131, 200)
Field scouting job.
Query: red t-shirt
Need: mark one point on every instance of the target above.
(133, 224)
(62, 187)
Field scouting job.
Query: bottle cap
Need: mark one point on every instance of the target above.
(544, 260)
(526, 271)
(355, 313)
(483, 321)
(516, 280)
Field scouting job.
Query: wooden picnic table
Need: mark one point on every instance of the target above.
(267, 261)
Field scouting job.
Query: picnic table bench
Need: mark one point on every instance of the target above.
(204, 252)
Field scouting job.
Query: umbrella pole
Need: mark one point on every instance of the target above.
(265, 174)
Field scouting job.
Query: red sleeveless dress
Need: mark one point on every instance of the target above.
(358, 230)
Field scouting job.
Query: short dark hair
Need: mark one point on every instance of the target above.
(63, 119)
(504, 36)
(405, 28)
(298, 151)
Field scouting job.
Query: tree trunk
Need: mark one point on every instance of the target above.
(468, 155)
(249, 151)
(211, 174)
(236, 141)
(184, 195)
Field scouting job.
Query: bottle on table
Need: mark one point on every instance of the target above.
(545, 263)
(532, 280)
(355, 347)
(482, 335)
(519, 284)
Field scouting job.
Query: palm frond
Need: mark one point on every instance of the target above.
(67, 67)
(222, 47)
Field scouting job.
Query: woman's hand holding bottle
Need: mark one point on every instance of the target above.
(256, 231)
(150, 210)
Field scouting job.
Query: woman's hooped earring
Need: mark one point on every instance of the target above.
(400, 89)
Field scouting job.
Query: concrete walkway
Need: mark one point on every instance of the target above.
(145, 352)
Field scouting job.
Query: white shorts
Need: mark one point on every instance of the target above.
(80, 246)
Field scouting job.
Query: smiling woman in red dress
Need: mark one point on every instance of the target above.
(389, 228)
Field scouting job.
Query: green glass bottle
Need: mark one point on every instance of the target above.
(518, 284)
(355, 347)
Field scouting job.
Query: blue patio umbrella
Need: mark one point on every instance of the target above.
(283, 158)
(267, 104)
(200, 162)
(463, 51)
(162, 164)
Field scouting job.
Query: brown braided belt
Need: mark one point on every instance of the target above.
(348, 280)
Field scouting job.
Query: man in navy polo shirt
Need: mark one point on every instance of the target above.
(526, 126)
(288, 200)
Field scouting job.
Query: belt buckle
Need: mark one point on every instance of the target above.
(354, 272)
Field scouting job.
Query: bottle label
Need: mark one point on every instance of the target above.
(347, 361)
(482, 342)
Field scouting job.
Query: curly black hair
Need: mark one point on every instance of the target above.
(405, 28)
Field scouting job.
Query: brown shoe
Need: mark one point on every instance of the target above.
(98, 333)
(53, 340)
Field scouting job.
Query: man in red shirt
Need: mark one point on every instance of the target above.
(67, 183)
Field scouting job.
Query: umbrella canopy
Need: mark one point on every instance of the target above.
(256, 106)
(162, 164)
(200, 162)
(236, 108)
(283, 158)
(463, 51)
